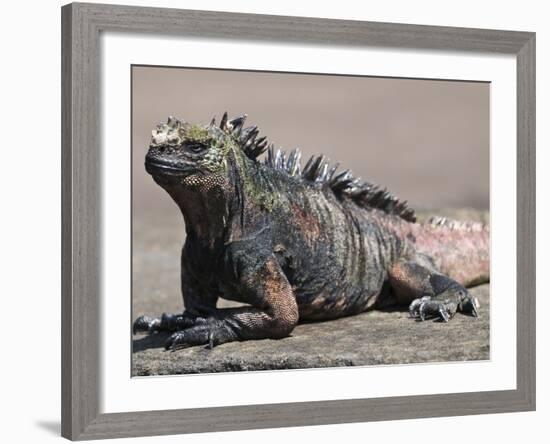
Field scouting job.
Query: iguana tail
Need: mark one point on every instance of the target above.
(460, 249)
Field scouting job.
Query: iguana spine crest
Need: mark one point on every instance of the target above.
(317, 170)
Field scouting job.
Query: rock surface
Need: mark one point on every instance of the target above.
(371, 338)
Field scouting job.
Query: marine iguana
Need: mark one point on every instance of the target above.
(297, 244)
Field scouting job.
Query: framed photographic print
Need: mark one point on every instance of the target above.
(302, 205)
(336, 113)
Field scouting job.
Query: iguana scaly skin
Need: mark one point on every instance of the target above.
(297, 244)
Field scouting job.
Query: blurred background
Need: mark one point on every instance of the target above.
(427, 141)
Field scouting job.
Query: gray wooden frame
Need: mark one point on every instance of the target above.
(81, 166)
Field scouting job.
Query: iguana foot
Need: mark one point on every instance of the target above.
(443, 309)
(433, 294)
(211, 332)
(167, 322)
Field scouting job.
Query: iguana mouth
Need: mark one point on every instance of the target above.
(158, 167)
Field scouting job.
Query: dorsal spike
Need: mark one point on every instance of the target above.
(223, 123)
(248, 132)
(255, 150)
(342, 181)
(279, 159)
(237, 123)
(341, 176)
(260, 140)
(293, 162)
(332, 171)
(260, 147)
(270, 160)
(298, 164)
(307, 168)
(317, 165)
(312, 168)
(322, 173)
(249, 138)
(213, 121)
(450, 224)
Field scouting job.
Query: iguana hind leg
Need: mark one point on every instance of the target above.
(429, 293)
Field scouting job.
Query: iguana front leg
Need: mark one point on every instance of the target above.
(273, 312)
(199, 302)
(430, 293)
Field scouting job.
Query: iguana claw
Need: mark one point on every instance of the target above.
(146, 324)
(416, 305)
(175, 341)
(425, 307)
(469, 305)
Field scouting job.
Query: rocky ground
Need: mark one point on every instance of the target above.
(372, 338)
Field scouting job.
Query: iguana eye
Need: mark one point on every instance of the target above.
(195, 147)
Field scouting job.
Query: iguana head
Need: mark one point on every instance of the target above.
(203, 166)
(184, 153)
